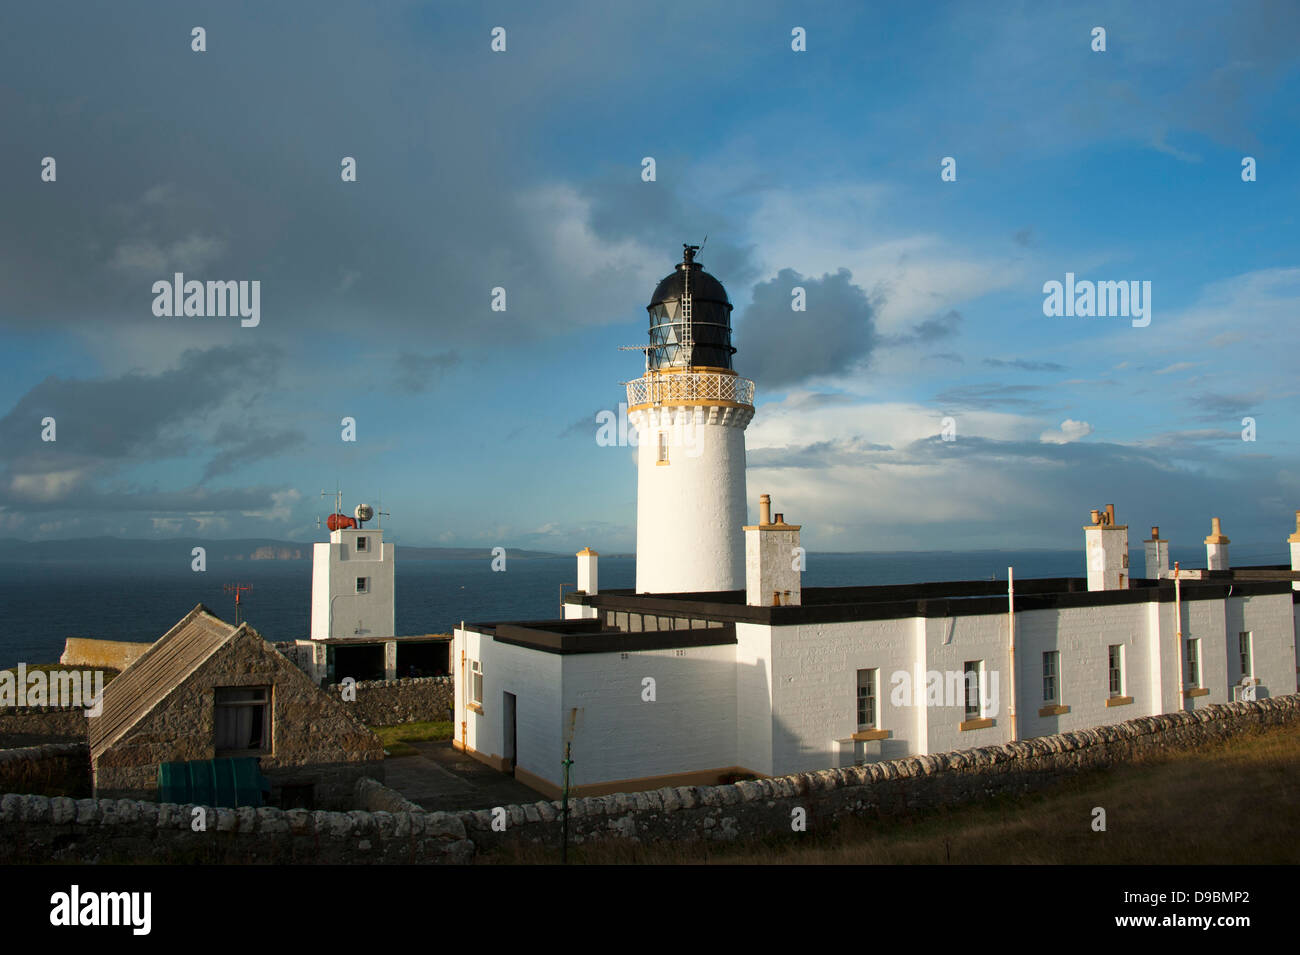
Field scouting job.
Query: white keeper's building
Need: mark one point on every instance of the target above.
(720, 664)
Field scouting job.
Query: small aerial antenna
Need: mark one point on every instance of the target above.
(338, 500)
(237, 590)
(704, 243)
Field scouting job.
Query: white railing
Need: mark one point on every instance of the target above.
(689, 386)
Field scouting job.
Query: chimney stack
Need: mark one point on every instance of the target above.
(588, 579)
(1294, 541)
(1157, 554)
(773, 560)
(1106, 547)
(1216, 547)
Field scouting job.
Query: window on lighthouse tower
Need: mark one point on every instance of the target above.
(663, 447)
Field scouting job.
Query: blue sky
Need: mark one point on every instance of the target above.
(522, 170)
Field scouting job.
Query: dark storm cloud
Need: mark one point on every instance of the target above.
(104, 424)
(929, 331)
(243, 443)
(835, 334)
(226, 165)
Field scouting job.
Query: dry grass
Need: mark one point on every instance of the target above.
(1236, 802)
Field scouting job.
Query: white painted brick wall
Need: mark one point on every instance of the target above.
(690, 726)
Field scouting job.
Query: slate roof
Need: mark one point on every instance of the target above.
(162, 668)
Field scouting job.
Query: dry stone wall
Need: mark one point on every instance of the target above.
(64, 830)
(880, 790)
(50, 768)
(61, 829)
(30, 725)
(390, 702)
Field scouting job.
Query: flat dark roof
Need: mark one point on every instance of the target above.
(943, 599)
(592, 636)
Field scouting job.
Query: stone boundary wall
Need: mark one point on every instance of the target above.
(64, 830)
(29, 725)
(878, 790)
(373, 796)
(49, 768)
(389, 702)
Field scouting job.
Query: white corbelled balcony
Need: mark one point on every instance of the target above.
(689, 386)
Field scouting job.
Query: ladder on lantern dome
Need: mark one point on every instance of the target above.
(686, 337)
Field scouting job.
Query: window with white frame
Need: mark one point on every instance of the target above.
(1193, 662)
(363, 585)
(1243, 651)
(1115, 669)
(476, 682)
(974, 677)
(242, 722)
(1051, 676)
(868, 717)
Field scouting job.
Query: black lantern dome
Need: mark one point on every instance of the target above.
(690, 319)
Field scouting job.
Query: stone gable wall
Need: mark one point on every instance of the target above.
(316, 739)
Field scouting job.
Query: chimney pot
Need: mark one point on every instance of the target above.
(765, 509)
(780, 518)
(1155, 533)
(1096, 516)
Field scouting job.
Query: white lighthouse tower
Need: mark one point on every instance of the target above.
(690, 410)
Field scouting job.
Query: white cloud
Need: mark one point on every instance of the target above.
(1070, 430)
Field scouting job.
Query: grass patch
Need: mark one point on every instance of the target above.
(396, 738)
(1236, 802)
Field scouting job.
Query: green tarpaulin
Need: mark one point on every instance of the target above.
(213, 782)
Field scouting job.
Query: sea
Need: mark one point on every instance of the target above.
(43, 603)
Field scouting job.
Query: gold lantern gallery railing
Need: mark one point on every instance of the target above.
(691, 386)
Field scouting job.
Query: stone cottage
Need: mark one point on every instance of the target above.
(209, 690)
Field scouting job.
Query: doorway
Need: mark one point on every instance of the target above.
(508, 726)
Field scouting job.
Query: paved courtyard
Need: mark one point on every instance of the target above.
(439, 778)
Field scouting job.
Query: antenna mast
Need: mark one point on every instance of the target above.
(237, 590)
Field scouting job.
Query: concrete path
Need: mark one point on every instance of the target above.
(441, 779)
